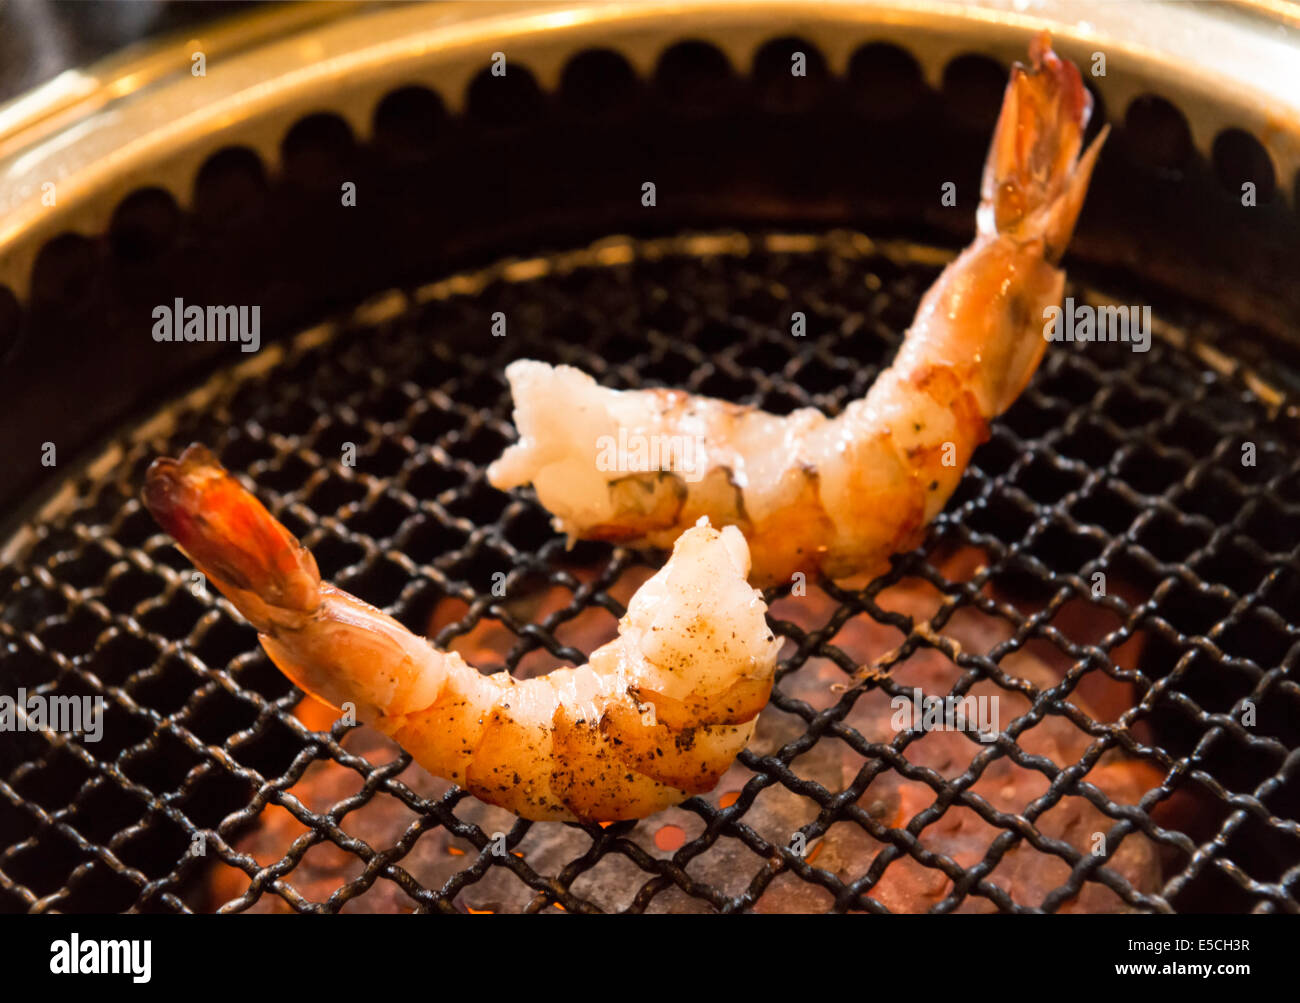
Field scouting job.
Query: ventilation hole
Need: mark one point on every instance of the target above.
(317, 150)
(223, 641)
(473, 565)
(724, 386)
(103, 812)
(1189, 431)
(427, 542)
(1157, 135)
(1235, 568)
(380, 583)
(385, 459)
(271, 752)
(175, 617)
(230, 188)
(1238, 158)
(779, 402)
(481, 446)
(120, 656)
(144, 225)
(333, 494)
(597, 82)
(242, 452)
(1047, 482)
(885, 81)
(1171, 540)
(57, 783)
(780, 88)
(129, 588)
(74, 636)
(408, 122)
(1057, 547)
(1130, 409)
(64, 268)
(972, 89)
(11, 316)
(213, 797)
(695, 79)
(380, 519)
(334, 556)
(526, 527)
(166, 690)
(1151, 473)
(767, 357)
(714, 336)
(1269, 521)
(478, 503)
(1253, 637)
(500, 102)
(431, 425)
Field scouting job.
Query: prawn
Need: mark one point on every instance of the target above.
(811, 493)
(658, 714)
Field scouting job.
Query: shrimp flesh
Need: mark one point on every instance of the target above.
(811, 493)
(657, 715)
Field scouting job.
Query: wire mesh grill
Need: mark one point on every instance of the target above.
(209, 790)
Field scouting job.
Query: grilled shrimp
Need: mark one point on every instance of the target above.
(657, 715)
(810, 493)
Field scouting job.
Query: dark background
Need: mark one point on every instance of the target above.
(39, 39)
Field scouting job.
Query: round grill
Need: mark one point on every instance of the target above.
(1166, 476)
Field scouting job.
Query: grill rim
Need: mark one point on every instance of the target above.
(376, 49)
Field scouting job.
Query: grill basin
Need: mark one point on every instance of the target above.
(1112, 461)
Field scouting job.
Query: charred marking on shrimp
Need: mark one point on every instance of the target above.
(841, 495)
(574, 744)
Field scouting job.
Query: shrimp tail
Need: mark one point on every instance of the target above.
(1034, 179)
(241, 549)
(331, 644)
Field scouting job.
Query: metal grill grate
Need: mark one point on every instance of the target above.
(1115, 462)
